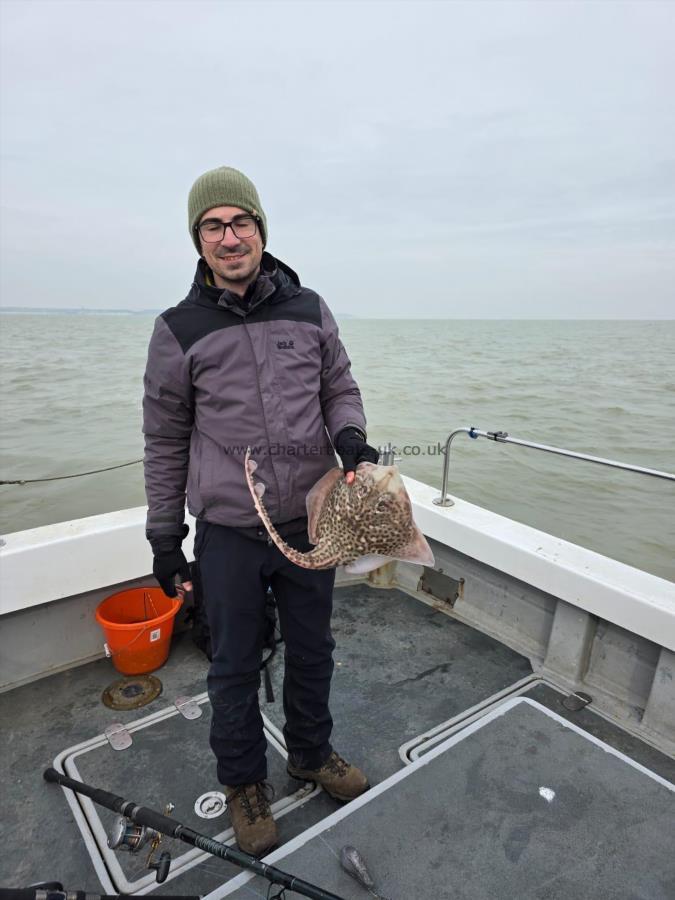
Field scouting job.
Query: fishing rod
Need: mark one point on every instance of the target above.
(53, 890)
(153, 821)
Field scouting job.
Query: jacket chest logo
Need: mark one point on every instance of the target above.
(285, 345)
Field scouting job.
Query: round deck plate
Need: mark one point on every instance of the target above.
(210, 805)
(132, 692)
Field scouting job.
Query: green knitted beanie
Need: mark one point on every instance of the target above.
(223, 187)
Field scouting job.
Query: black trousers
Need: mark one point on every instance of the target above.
(236, 571)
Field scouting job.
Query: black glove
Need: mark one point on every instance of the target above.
(351, 447)
(167, 565)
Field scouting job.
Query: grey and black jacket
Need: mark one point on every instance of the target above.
(270, 373)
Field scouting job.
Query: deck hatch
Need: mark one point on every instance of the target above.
(142, 773)
(498, 810)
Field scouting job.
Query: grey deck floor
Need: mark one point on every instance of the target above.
(401, 668)
(521, 807)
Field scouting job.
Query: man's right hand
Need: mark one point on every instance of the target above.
(166, 566)
(351, 447)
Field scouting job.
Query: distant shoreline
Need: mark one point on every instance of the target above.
(85, 311)
(72, 311)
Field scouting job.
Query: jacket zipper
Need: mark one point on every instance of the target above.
(262, 409)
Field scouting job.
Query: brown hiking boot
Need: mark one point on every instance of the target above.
(336, 776)
(249, 808)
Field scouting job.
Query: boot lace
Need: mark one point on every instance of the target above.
(337, 765)
(254, 799)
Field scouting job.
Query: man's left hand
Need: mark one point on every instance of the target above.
(351, 447)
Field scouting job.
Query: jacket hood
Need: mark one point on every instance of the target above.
(276, 282)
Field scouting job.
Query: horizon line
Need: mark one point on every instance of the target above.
(158, 311)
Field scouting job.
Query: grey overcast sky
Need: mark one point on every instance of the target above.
(414, 159)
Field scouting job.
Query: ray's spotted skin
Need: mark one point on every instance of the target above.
(360, 525)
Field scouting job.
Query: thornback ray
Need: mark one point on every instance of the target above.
(361, 526)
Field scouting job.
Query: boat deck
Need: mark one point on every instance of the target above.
(520, 804)
(507, 800)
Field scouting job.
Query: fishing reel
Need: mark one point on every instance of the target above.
(130, 837)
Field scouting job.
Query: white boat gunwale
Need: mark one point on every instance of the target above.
(38, 564)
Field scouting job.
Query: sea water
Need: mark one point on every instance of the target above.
(72, 391)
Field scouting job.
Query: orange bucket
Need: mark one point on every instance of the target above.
(138, 624)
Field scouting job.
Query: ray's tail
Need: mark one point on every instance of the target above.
(314, 559)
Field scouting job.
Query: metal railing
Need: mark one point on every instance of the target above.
(502, 437)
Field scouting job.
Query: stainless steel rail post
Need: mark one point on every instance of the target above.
(502, 437)
(386, 455)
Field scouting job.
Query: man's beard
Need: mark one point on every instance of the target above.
(236, 274)
(241, 274)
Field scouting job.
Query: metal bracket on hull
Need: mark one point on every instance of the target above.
(441, 586)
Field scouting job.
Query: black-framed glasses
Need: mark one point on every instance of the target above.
(213, 230)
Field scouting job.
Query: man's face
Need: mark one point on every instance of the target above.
(233, 260)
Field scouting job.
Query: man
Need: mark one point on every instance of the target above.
(250, 358)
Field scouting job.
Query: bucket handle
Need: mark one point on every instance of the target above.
(147, 598)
